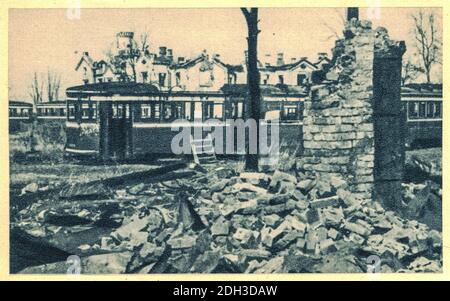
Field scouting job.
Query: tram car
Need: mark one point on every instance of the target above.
(55, 110)
(423, 109)
(19, 115)
(124, 120)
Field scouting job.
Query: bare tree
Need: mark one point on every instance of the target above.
(144, 44)
(428, 42)
(36, 89)
(334, 33)
(36, 94)
(251, 17)
(410, 71)
(53, 85)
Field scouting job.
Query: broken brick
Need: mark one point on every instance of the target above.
(252, 177)
(279, 199)
(245, 237)
(332, 233)
(183, 242)
(326, 246)
(271, 220)
(219, 186)
(255, 253)
(249, 187)
(356, 228)
(286, 240)
(220, 227)
(324, 202)
(298, 195)
(279, 176)
(306, 185)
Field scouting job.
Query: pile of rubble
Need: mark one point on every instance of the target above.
(219, 221)
(423, 202)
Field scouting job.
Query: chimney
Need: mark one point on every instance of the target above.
(86, 53)
(180, 59)
(170, 54)
(293, 59)
(322, 55)
(352, 12)
(162, 50)
(280, 59)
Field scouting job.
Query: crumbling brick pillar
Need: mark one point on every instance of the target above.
(338, 125)
(389, 119)
(353, 120)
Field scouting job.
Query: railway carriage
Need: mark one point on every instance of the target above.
(20, 113)
(123, 120)
(423, 109)
(55, 110)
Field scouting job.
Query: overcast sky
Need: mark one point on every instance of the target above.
(42, 39)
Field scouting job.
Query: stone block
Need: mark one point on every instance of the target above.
(220, 227)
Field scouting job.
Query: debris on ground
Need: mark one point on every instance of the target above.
(423, 202)
(220, 221)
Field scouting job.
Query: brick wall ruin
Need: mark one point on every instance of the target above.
(341, 115)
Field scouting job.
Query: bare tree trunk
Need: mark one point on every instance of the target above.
(253, 78)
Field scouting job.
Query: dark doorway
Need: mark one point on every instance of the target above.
(115, 130)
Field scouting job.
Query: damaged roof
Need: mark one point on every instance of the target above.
(266, 90)
(113, 88)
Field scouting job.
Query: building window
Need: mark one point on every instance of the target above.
(437, 112)
(177, 78)
(232, 78)
(167, 112)
(281, 79)
(266, 79)
(100, 80)
(218, 111)
(188, 110)
(235, 110)
(422, 109)
(301, 79)
(198, 110)
(205, 78)
(156, 111)
(162, 79)
(430, 109)
(290, 112)
(144, 76)
(208, 110)
(146, 111)
(413, 109)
